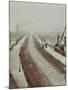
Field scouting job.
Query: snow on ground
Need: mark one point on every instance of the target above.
(14, 65)
(46, 68)
(12, 42)
(55, 54)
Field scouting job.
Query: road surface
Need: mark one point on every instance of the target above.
(19, 77)
(46, 68)
(38, 67)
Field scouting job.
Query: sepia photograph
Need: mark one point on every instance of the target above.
(37, 44)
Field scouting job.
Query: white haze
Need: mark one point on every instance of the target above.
(37, 17)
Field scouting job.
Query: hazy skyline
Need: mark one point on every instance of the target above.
(37, 16)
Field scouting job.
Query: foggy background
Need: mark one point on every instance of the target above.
(37, 17)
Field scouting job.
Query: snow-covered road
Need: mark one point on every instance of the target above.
(45, 67)
(55, 54)
(46, 70)
(19, 77)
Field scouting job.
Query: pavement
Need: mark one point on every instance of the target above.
(14, 63)
(46, 68)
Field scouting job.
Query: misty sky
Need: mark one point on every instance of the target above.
(37, 16)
